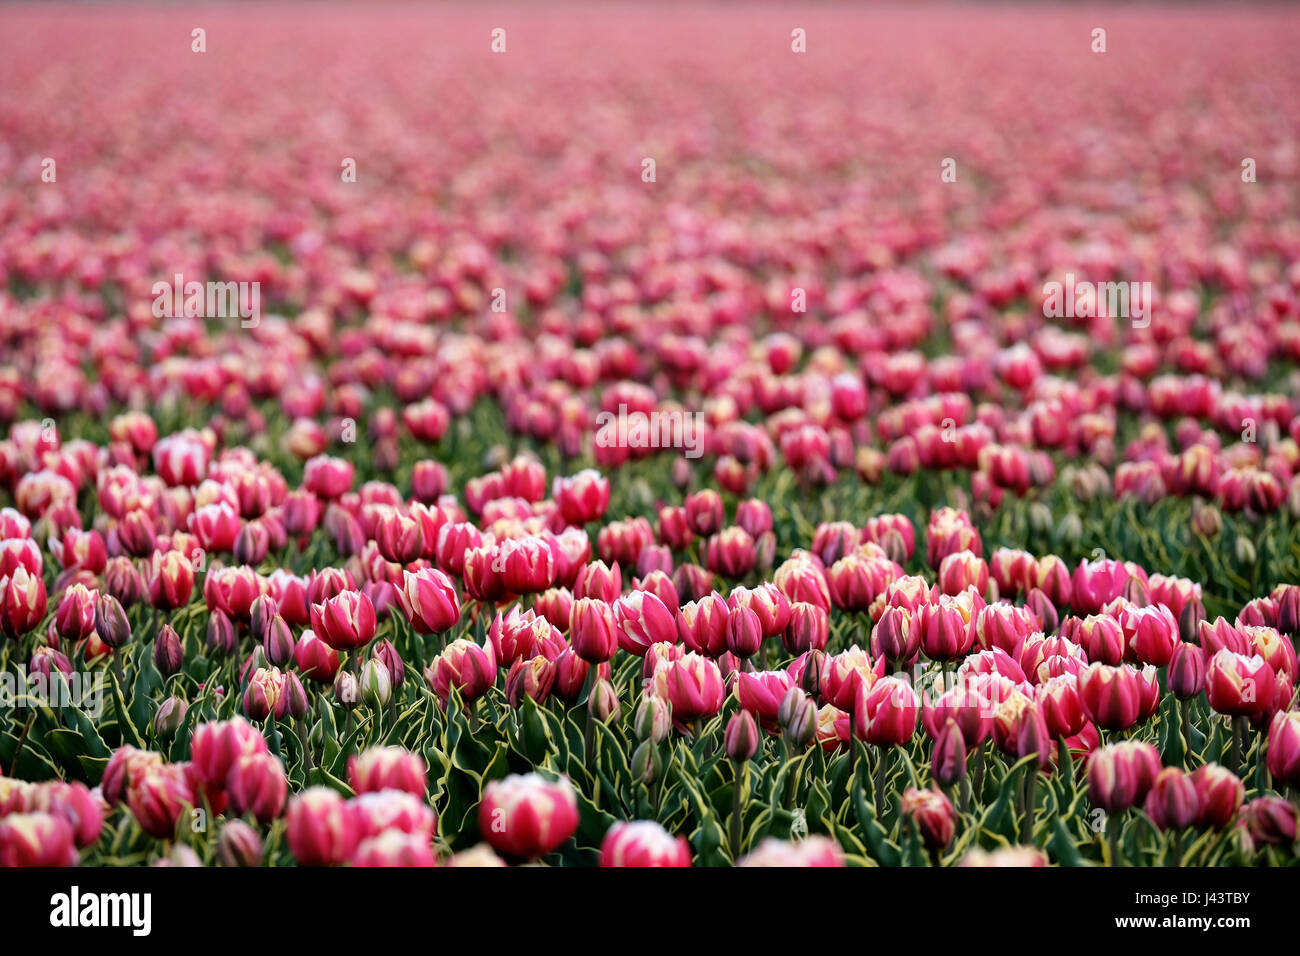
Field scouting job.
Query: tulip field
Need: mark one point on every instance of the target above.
(649, 435)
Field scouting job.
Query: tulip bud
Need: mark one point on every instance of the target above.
(1041, 519)
(262, 695)
(346, 690)
(386, 652)
(1121, 775)
(948, 763)
(168, 655)
(744, 632)
(260, 614)
(1172, 803)
(603, 702)
(797, 716)
(1071, 530)
(1048, 617)
(110, 621)
(1271, 821)
(1207, 521)
(1186, 672)
(1219, 792)
(252, 543)
(654, 719)
(740, 739)
(1190, 618)
(221, 635)
(256, 660)
(293, 698)
(932, 815)
(1245, 550)
(815, 664)
(376, 684)
(1136, 591)
(894, 637)
(239, 845)
(647, 763)
(123, 581)
(278, 642)
(169, 717)
(1288, 611)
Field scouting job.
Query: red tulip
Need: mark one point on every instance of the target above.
(170, 580)
(527, 816)
(1120, 775)
(1238, 685)
(345, 621)
(1110, 695)
(217, 745)
(886, 713)
(36, 839)
(159, 799)
(593, 631)
(1173, 803)
(1219, 794)
(428, 598)
(583, 497)
(642, 620)
(465, 666)
(643, 843)
(945, 632)
(320, 828)
(394, 848)
(377, 812)
(598, 580)
(693, 685)
(1284, 747)
(257, 785)
(932, 815)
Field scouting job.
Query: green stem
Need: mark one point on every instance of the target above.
(589, 735)
(1185, 715)
(119, 680)
(882, 769)
(1234, 758)
(742, 768)
(1029, 795)
(301, 727)
(22, 741)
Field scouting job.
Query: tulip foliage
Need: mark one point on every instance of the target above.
(749, 507)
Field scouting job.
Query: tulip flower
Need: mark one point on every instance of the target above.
(345, 621)
(593, 630)
(258, 786)
(693, 685)
(815, 850)
(642, 619)
(465, 666)
(931, 813)
(320, 828)
(527, 816)
(36, 839)
(643, 843)
(428, 599)
(1284, 747)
